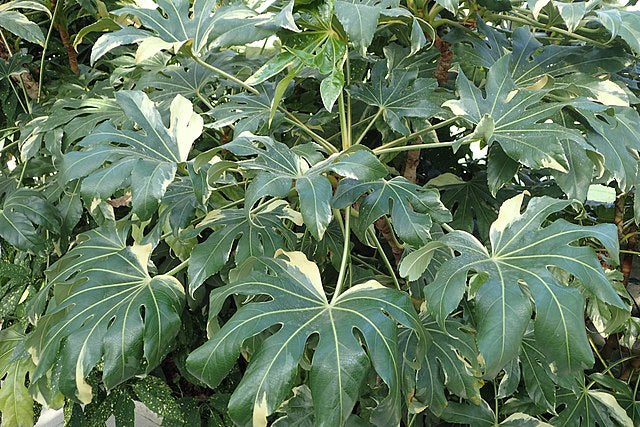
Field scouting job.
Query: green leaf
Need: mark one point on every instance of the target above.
(146, 161)
(247, 112)
(22, 212)
(537, 375)
(18, 24)
(470, 202)
(472, 415)
(412, 208)
(279, 167)
(16, 404)
(188, 79)
(591, 408)
(521, 253)
(402, 96)
(571, 13)
(623, 23)
(106, 307)
(298, 304)
(15, 65)
(451, 361)
(258, 234)
(415, 263)
(518, 117)
(616, 137)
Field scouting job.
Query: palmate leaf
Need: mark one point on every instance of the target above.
(522, 251)
(451, 361)
(616, 136)
(360, 18)
(512, 117)
(279, 167)
(531, 60)
(258, 234)
(15, 65)
(591, 408)
(248, 112)
(18, 24)
(107, 308)
(401, 97)
(412, 208)
(24, 214)
(146, 161)
(469, 201)
(180, 21)
(298, 304)
(189, 79)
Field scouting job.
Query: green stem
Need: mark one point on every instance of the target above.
(387, 263)
(547, 28)
(24, 168)
(345, 254)
(415, 147)
(26, 109)
(178, 268)
(595, 349)
(447, 227)
(344, 131)
(44, 48)
(291, 118)
(369, 125)
(416, 134)
(348, 83)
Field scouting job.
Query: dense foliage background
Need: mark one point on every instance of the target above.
(307, 212)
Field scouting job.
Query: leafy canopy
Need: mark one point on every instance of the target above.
(344, 213)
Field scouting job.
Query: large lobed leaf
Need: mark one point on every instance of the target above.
(298, 304)
(518, 265)
(144, 160)
(106, 307)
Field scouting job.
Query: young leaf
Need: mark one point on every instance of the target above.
(299, 305)
(451, 361)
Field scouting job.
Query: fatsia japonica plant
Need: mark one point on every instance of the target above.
(310, 212)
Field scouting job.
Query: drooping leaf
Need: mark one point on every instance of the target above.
(537, 375)
(521, 252)
(106, 307)
(360, 19)
(18, 24)
(451, 361)
(623, 23)
(412, 208)
(339, 364)
(16, 404)
(25, 214)
(145, 161)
